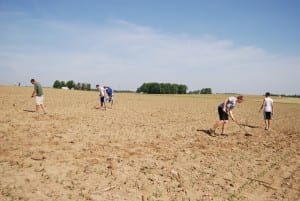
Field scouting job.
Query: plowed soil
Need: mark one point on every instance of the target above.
(147, 147)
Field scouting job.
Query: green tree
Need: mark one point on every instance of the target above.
(88, 86)
(182, 89)
(144, 88)
(78, 86)
(162, 88)
(206, 91)
(56, 84)
(62, 84)
(83, 86)
(173, 88)
(154, 88)
(70, 84)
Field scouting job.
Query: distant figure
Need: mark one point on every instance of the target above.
(225, 109)
(268, 107)
(102, 95)
(109, 92)
(39, 96)
(19, 84)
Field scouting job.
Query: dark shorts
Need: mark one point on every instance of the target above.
(102, 99)
(110, 99)
(267, 115)
(222, 115)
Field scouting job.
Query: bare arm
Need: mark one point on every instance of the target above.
(225, 104)
(33, 93)
(262, 106)
(272, 108)
(231, 115)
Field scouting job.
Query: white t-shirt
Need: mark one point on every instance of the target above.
(101, 90)
(268, 104)
(230, 103)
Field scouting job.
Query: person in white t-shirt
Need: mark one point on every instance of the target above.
(225, 110)
(102, 95)
(268, 112)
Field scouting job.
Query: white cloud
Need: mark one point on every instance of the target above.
(124, 55)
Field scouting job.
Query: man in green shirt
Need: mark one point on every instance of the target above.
(39, 95)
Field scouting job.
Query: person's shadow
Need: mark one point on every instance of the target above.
(205, 131)
(29, 110)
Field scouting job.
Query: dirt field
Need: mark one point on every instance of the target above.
(148, 147)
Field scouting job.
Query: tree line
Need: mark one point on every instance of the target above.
(71, 85)
(148, 88)
(202, 91)
(162, 88)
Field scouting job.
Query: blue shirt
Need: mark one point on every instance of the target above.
(109, 91)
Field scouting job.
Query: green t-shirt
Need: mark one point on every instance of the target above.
(38, 89)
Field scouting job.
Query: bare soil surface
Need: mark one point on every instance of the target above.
(147, 147)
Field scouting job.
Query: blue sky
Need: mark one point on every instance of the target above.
(237, 46)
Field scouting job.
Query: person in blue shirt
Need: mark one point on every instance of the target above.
(109, 92)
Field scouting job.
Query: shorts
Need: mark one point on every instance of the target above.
(268, 115)
(102, 99)
(222, 115)
(39, 100)
(110, 99)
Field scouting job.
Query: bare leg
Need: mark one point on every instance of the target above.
(42, 106)
(111, 102)
(223, 126)
(266, 124)
(269, 123)
(37, 107)
(219, 124)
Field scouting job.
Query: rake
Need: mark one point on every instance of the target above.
(242, 126)
(17, 106)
